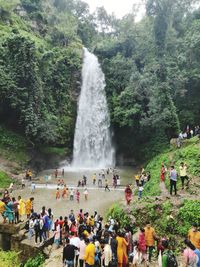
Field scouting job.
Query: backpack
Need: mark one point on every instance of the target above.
(37, 226)
(171, 259)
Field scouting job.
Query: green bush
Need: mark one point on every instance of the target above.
(35, 262)
(5, 180)
(116, 212)
(9, 259)
(189, 213)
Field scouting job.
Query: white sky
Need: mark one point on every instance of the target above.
(118, 7)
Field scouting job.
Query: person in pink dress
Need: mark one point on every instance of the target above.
(77, 195)
(142, 246)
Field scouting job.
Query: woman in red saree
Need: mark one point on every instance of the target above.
(162, 173)
(128, 194)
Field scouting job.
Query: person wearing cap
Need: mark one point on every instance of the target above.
(194, 236)
(89, 253)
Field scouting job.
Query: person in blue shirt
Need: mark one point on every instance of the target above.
(173, 180)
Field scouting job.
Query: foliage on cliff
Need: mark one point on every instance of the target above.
(151, 69)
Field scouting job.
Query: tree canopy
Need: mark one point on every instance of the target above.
(151, 69)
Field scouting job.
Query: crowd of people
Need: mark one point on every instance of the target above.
(87, 240)
(188, 133)
(12, 210)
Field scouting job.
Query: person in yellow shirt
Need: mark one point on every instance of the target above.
(29, 206)
(2, 210)
(89, 253)
(150, 239)
(94, 178)
(21, 207)
(121, 249)
(137, 179)
(91, 221)
(30, 175)
(183, 174)
(194, 236)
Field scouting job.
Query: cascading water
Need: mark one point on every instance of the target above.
(92, 142)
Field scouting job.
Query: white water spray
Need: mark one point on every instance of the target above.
(92, 142)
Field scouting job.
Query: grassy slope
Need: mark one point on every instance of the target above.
(189, 153)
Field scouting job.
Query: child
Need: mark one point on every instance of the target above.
(71, 194)
(140, 189)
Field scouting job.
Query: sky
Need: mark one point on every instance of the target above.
(119, 7)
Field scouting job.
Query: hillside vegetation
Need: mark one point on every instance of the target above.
(151, 70)
(188, 153)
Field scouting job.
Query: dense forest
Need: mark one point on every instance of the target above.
(151, 69)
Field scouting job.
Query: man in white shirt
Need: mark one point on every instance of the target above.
(75, 241)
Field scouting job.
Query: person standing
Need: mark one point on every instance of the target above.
(78, 195)
(85, 192)
(69, 254)
(89, 253)
(137, 179)
(183, 174)
(32, 187)
(150, 239)
(190, 258)
(75, 241)
(173, 180)
(142, 245)
(38, 227)
(94, 177)
(107, 253)
(82, 251)
(57, 194)
(85, 180)
(56, 173)
(100, 180)
(121, 245)
(23, 183)
(71, 194)
(29, 206)
(63, 173)
(194, 236)
(140, 189)
(15, 210)
(162, 172)
(106, 185)
(168, 258)
(128, 194)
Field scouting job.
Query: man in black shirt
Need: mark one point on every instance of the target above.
(69, 254)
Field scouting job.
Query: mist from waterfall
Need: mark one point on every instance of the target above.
(92, 141)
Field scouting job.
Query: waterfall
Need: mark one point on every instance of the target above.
(92, 141)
